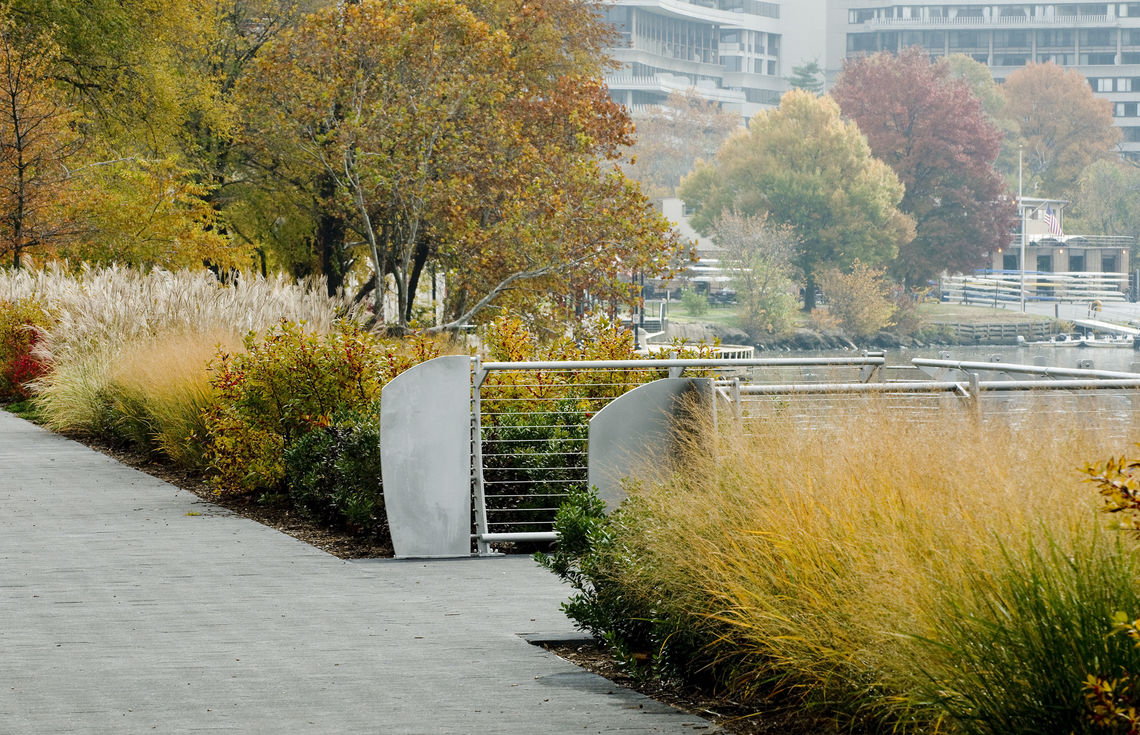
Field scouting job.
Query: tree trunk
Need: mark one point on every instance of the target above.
(419, 259)
(329, 237)
(809, 291)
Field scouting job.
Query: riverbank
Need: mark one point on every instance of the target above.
(937, 325)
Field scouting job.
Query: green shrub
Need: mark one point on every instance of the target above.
(281, 388)
(333, 473)
(637, 625)
(695, 304)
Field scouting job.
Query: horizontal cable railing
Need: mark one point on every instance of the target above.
(530, 426)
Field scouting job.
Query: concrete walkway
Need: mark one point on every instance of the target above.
(129, 606)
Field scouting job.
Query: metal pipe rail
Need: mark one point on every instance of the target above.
(937, 386)
(968, 366)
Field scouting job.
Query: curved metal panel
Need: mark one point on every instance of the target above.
(425, 453)
(636, 429)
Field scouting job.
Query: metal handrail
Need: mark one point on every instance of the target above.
(969, 366)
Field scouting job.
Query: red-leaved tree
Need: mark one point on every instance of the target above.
(930, 128)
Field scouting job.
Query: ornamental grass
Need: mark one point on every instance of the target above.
(928, 576)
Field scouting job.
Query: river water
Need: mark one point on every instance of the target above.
(1123, 359)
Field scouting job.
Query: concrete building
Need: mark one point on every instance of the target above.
(735, 52)
(1100, 40)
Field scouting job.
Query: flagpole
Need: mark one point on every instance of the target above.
(1021, 211)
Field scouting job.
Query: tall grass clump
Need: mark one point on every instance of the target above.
(117, 333)
(948, 575)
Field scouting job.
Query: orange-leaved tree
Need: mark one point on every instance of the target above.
(1065, 126)
(36, 141)
(451, 141)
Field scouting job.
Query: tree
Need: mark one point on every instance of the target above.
(805, 167)
(1107, 201)
(807, 76)
(36, 142)
(441, 147)
(981, 81)
(759, 257)
(673, 136)
(1065, 126)
(931, 130)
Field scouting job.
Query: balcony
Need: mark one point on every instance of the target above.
(1068, 21)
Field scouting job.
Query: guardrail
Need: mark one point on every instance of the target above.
(1005, 287)
(486, 453)
(530, 427)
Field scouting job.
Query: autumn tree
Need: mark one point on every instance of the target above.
(805, 167)
(36, 141)
(673, 136)
(981, 82)
(441, 147)
(1065, 126)
(932, 131)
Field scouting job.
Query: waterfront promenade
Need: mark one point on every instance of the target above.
(129, 606)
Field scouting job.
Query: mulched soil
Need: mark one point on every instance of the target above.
(775, 716)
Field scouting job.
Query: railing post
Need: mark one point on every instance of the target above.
(478, 375)
(975, 398)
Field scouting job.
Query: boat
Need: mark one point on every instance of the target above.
(1111, 340)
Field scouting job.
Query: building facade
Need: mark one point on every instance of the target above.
(1100, 40)
(733, 52)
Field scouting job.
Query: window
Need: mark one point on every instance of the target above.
(1011, 59)
(1131, 10)
(860, 16)
(1077, 262)
(1011, 40)
(772, 68)
(1128, 57)
(1124, 84)
(1055, 39)
(857, 42)
(1101, 85)
(965, 39)
(1097, 37)
(1103, 59)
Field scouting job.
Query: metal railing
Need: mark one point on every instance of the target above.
(530, 427)
(530, 420)
(1005, 287)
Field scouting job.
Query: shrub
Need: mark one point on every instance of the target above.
(860, 300)
(333, 473)
(280, 388)
(22, 325)
(288, 383)
(694, 303)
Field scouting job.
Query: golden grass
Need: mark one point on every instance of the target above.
(161, 389)
(821, 554)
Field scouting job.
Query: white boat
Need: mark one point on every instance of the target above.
(1111, 340)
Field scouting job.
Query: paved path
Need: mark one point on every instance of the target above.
(128, 606)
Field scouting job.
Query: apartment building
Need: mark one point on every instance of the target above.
(731, 51)
(1100, 40)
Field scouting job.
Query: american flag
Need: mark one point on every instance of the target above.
(1052, 222)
